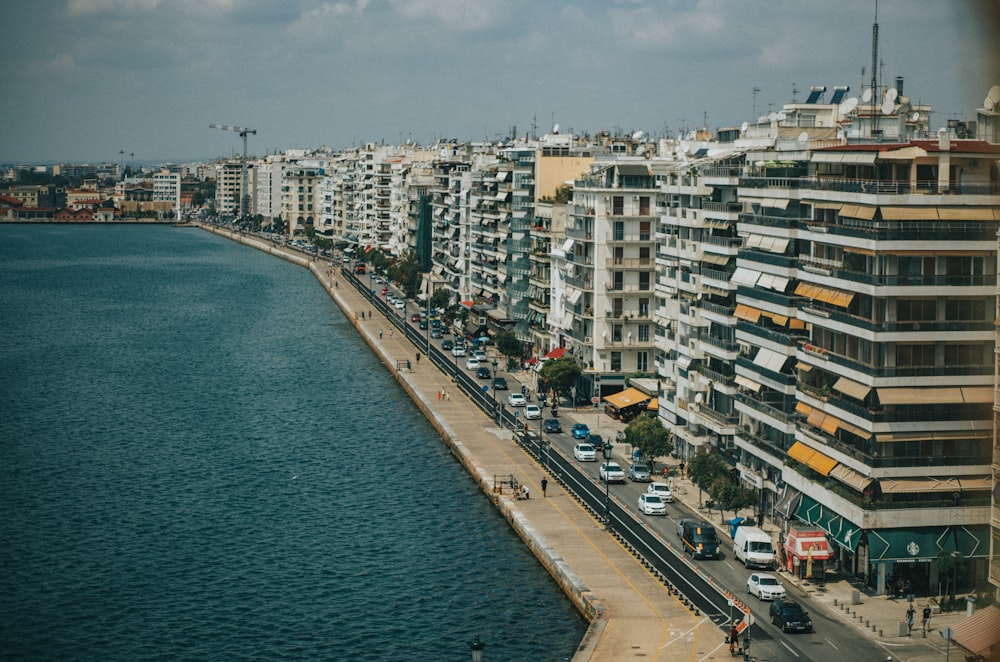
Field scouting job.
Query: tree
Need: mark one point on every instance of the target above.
(440, 298)
(730, 495)
(560, 375)
(508, 344)
(649, 436)
(948, 565)
(406, 272)
(705, 469)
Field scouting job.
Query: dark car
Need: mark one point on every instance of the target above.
(423, 325)
(436, 333)
(483, 373)
(790, 616)
(500, 384)
(552, 425)
(700, 540)
(446, 345)
(597, 441)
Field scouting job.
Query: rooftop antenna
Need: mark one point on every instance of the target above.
(756, 91)
(795, 91)
(874, 72)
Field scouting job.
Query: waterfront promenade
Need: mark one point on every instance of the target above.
(631, 614)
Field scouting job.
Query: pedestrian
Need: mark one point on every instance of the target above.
(418, 358)
(380, 333)
(392, 331)
(910, 613)
(927, 619)
(370, 314)
(525, 492)
(545, 484)
(682, 468)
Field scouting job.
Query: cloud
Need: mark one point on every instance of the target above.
(320, 20)
(59, 64)
(465, 15)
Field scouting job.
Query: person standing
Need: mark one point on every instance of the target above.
(545, 484)
(910, 613)
(927, 619)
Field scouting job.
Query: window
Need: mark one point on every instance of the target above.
(616, 306)
(643, 307)
(643, 205)
(643, 333)
(617, 205)
(916, 310)
(644, 230)
(966, 354)
(969, 310)
(619, 230)
(642, 361)
(618, 280)
(616, 361)
(644, 280)
(916, 355)
(616, 333)
(644, 255)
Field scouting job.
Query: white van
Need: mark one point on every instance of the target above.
(752, 546)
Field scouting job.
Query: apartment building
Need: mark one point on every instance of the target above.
(300, 195)
(228, 186)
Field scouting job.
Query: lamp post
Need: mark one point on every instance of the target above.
(495, 392)
(607, 485)
(477, 647)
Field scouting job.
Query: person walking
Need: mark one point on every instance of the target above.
(927, 619)
(545, 484)
(380, 333)
(910, 613)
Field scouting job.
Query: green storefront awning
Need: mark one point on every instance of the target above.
(926, 542)
(840, 530)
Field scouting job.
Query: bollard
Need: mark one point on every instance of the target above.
(835, 602)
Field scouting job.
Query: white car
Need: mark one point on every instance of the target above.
(480, 354)
(661, 490)
(765, 586)
(585, 453)
(400, 304)
(612, 472)
(472, 363)
(651, 504)
(458, 350)
(516, 400)
(532, 412)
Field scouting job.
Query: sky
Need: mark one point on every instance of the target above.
(85, 80)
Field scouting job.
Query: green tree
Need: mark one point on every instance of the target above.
(705, 469)
(649, 436)
(948, 565)
(560, 375)
(564, 193)
(440, 298)
(508, 344)
(406, 272)
(730, 495)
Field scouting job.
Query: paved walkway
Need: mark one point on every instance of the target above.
(632, 614)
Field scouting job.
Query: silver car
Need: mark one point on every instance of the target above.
(651, 504)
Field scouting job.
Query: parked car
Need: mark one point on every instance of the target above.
(483, 373)
(581, 431)
(423, 325)
(499, 384)
(639, 473)
(651, 504)
(415, 317)
(436, 333)
(532, 412)
(447, 345)
(400, 304)
(612, 472)
(552, 425)
(663, 491)
(765, 586)
(516, 400)
(471, 363)
(585, 453)
(790, 616)
(480, 354)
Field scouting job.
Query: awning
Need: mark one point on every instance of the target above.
(769, 359)
(973, 483)
(926, 542)
(717, 260)
(858, 211)
(573, 295)
(788, 503)
(978, 634)
(683, 362)
(933, 435)
(807, 543)
(909, 213)
(748, 383)
(627, 398)
(968, 214)
(842, 531)
(811, 458)
(568, 245)
(923, 396)
(826, 294)
(852, 388)
(851, 477)
(744, 276)
(748, 313)
(918, 485)
(653, 405)
(856, 158)
(556, 353)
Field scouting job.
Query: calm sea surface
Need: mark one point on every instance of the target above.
(199, 459)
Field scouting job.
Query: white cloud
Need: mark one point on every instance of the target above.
(59, 64)
(466, 15)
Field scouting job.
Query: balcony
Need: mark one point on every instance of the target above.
(630, 263)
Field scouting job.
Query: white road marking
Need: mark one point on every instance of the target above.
(789, 649)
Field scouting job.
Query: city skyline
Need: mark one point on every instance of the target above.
(89, 79)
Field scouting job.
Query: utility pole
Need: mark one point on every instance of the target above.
(244, 190)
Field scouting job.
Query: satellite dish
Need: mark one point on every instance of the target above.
(892, 94)
(637, 135)
(699, 398)
(555, 129)
(744, 126)
(850, 105)
(988, 104)
(840, 134)
(994, 94)
(887, 106)
(866, 96)
(803, 137)
(780, 116)
(915, 117)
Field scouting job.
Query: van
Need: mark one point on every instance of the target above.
(700, 540)
(754, 547)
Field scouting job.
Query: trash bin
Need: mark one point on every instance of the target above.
(904, 629)
(855, 597)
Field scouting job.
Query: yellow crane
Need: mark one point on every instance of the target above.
(244, 194)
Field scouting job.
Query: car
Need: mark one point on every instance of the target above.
(423, 325)
(483, 373)
(457, 351)
(584, 453)
(472, 363)
(399, 305)
(765, 586)
(638, 473)
(436, 323)
(597, 441)
(681, 523)
(436, 333)
(662, 490)
(532, 412)
(415, 317)
(499, 384)
(480, 354)
(700, 540)
(447, 345)
(790, 616)
(581, 431)
(651, 504)
(516, 400)
(552, 425)
(612, 472)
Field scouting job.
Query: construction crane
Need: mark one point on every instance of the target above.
(244, 195)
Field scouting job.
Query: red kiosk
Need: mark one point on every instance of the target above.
(805, 547)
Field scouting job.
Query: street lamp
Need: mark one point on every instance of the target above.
(607, 485)
(495, 392)
(477, 647)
